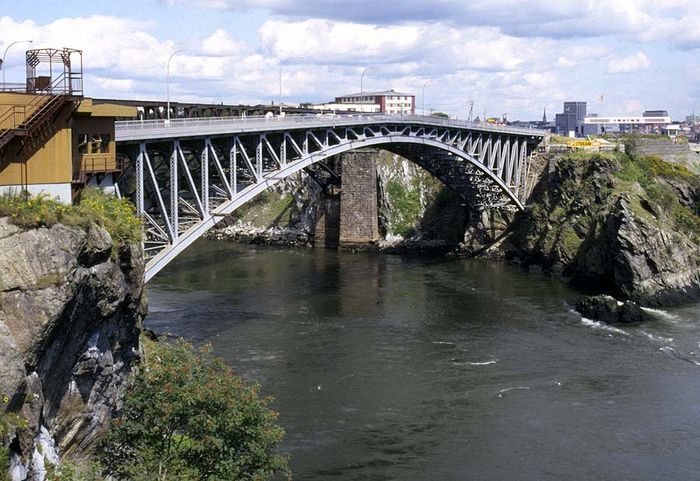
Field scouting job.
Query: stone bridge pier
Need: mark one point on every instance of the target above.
(350, 220)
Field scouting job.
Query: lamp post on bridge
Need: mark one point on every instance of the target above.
(4, 55)
(362, 78)
(167, 83)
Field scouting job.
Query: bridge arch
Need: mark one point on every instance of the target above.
(485, 167)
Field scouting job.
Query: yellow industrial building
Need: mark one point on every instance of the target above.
(52, 139)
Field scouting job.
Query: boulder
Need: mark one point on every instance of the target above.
(611, 311)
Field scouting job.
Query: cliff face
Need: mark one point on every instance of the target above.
(415, 209)
(70, 313)
(610, 224)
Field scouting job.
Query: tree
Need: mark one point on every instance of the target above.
(186, 416)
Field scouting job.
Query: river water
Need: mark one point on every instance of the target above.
(398, 368)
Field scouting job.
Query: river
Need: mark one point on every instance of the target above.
(405, 368)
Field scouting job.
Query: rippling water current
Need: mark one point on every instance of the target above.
(387, 367)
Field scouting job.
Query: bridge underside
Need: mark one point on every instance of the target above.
(184, 186)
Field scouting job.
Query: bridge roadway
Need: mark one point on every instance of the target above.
(188, 174)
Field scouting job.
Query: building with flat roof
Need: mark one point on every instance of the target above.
(571, 120)
(385, 102)
(626, 123)
(53, 140)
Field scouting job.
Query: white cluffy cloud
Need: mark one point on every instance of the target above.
(496, 54)
(631, 64)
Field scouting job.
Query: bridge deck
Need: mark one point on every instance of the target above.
(141, 130)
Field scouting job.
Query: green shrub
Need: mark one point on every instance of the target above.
(8, 423)
(186, 416)
(71, 471)
(406, 208)
(117, 216)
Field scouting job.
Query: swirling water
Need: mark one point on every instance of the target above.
(395, 368)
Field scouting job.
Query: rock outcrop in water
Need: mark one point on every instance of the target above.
(71, 306)
(610, 310)
(615, 225)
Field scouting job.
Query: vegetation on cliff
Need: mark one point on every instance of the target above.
(186, 416)
(415, 205)
(117, 216)
(9, 423)
(614, 223)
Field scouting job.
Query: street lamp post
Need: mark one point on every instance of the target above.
(4, 55)
(362, 79)
(167, 83)
(423, 96)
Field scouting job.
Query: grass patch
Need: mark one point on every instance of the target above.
(117, 216)
(647, 170)
(559, 139)
(267, 209)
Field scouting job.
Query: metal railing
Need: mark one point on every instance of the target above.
(98, 163)
(13, 87)
(143, 129)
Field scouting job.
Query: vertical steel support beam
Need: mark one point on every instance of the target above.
(283, 151)
(259, 157)
(174, 191)
(205, 178)
(514, 155)
(233, 166)
(139, 178)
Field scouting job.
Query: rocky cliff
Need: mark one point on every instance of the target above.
(612, 224)
(71, 306)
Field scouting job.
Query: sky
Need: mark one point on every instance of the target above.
(513, 57)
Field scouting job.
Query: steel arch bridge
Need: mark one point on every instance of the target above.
(186, 175)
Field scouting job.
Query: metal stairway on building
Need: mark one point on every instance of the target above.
(40, 111)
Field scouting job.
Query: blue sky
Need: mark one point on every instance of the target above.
(507, 56)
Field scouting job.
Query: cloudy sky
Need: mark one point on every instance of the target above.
(506, 56)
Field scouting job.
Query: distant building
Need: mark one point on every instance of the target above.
(655, 113)
(571, 120)
(622, 123)
(387, 102)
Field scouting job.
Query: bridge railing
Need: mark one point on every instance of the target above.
(142, 129)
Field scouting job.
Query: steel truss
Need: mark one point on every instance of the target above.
(184, 185)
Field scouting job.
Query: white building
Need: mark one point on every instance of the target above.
(622, 123)
(386, 102)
